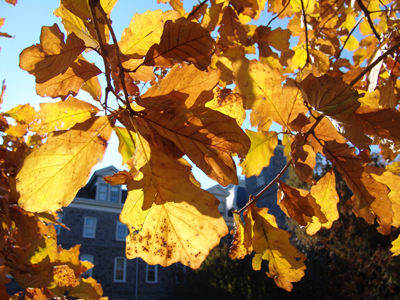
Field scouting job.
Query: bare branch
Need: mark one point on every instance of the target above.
(305, 28)
(348, 37)
(368, 15)
(277, 16)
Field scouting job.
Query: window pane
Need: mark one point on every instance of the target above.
(260, 180)
(114, 197)
(119, 269)
(151, 276)
(89, 258)
(122, 231)
(89, 229)
(221, 208)
(103, 192)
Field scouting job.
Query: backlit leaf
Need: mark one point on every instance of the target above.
(396, 247)
(262, 149)
(183, 222)
(52, 175)
(303, 159)
(23, 114)
(88, 288)
(207, 137)
(127, 142)
(52, 56)
(182, 40)
(231, 30)
(62, 115)
(239, 248)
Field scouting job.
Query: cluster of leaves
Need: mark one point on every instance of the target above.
(323, 102)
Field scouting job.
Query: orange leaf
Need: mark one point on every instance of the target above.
(231, 30)
(52, 56)
(88, 288)
(303, 159)
(206, 136)
(182, 40)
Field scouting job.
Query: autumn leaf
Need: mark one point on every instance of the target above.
(186, 84)
(262, 149)
(93, 87)
(127, 142)
(23, 114)
(52, 56)
(303, 157)
(52, 175)
(230, 104)
(70, 82)
(207, 137)
(179, 214)
(182, 40)
(286, 263)
(240, 243)
(396, 247)
(88, 288)
(144, 31)
(62, 115)
(231, 30)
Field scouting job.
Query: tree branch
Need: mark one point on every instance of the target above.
(377, 61)
(368, 15)
(305, 27)
(350, 34)
(277, 16)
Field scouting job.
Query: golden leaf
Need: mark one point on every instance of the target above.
(88, 288)
(52, 175)
(93, 87)
(52, 56)
(62, 115)
(396, 247)
(182, 40)
(240, 245)
(127, 143)
(182, 223)
(231, 30)
(261, 150)
(303, 157)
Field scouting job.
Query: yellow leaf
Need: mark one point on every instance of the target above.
(279, 39)
(88, 288)
(52, 56)
(370, 99)
(144, 31)
(351, 44)
(62, 115)
(239, 248)
(262, 149)
(52, 175)
(23, 114)
(186, 84)
(299, 59)
(321, 60)
(93, 87)
(326, 196)
(183, 222)
(64, 277)
(182, 40)
(127, 143)
(256, 81)
(230, 104)
(394, 167)
(206, 136)
(286, 263)
(396, 247)
(69, 82)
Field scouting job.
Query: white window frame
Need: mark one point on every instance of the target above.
(56, 226)
(119, 194)
(89, 258)
(155, 273)
(118, 238)
(124, 269)
(84, 234)
(106, 193)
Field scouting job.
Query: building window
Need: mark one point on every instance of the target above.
(151, 274)
(120, 269)
(260, 180)
(89, 227)
(88, 258)
(180, 273)
(56, 226)
(114, 196)
(222, 208)
(122, 231)
(103, 192)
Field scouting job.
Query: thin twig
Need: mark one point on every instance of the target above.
(368, 15)
(196, 9)
(119, 61)
(335, 14)
(305, 27)
(348, 37)
(255, 198)
(277, 16)
(377, 61)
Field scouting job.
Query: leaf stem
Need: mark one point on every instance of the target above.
(377, 61)
(305, 27)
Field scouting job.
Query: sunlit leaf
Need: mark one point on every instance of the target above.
(396, 247)
(182, 40)
(127, 142)
(52, 175)
(88, 288)
(62, 115)
(231, 30)
(262, 149)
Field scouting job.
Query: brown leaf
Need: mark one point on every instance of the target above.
(70, 82)
(303, 157)
(207, 137)
(299, 205)
(231, 30)
(52, 56)
(182, 40)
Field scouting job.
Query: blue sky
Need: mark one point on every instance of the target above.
(24, 22)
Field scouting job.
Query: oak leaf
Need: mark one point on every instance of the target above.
(182, 40)
(93, 87)
(231, 30)
(88, 288)
(303, 157)
(62, 115)
(206, 136)
(52, 175)
(182, 222)
(23, 114)
(70, 82)
(52, 56)
(261, 150)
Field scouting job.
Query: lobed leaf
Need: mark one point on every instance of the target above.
(52, 175)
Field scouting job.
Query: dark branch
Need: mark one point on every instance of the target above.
(305, 28)
(368, 15)
(277, 16)
(348, 37)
